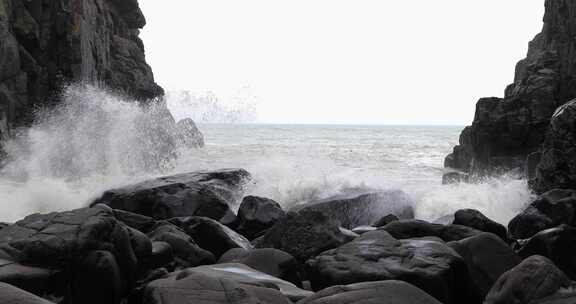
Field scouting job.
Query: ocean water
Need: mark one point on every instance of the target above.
(95, 141)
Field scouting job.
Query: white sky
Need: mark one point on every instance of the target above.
(342, 61)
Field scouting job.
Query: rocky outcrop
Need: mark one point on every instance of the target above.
(506, 130)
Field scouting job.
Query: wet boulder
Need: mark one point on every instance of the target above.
(36, 280)
(475, 219)
(364, 209)
(211, 235)
(188, 135)
(203, 193)
(221, 283)
(549, 210)
(558, 244)
(487, 257)
(271, 261)
(375, 256)
(13, 295)
(256, 214)
(386, 220)
(391, 291)
(533, 279)
(407, 229)
(304, 234)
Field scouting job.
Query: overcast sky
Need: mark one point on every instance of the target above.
(342, 61)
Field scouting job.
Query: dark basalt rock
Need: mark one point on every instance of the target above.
(12, 295)
(386, 220)
(271, 261)
(558, 244)
(211, 235)
(487, 258)
(475, 219)
(36, 280)
(257, 214)
(392, 292)
(551, 209)
(203, 193)
(506, 130)
(303, 234)
(535, 278)
(374, 256)
(407, 229)
(222, 283)
(365, 209)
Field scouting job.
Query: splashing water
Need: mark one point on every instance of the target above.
(95, 141)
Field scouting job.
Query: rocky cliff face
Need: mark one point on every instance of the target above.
(506, 130)
(45, 44)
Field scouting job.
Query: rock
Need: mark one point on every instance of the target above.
(375, 256)
(184, 248)
(535, 278)
(188, 134)
(475, 219)
(221, 283)
(454, 178)
(386, 220)
(365, 209)
(303, 234)
(363, 229)
(162, 255)
(487, 258)
(390, 292)
(36, 280)
(211, 235)
(210, 194)
(12, 295)
(558, 244)
(550, 209)
(90, 241)
(271, 261)
(506, 130)
(256, 214)
(407, 229)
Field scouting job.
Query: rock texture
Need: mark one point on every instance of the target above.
(47, 44)
(506, 130)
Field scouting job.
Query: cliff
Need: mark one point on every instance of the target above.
(45, 44)
(505, 131)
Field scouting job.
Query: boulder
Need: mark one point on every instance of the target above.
(533, 279)
(558, 244)
(386, 220)
(363, 229)
(303, 234)
(221, 283)
(407, 229)
(475, 219)
(375, 256)
(487, 257)
(389, 292)
(202, 193)
(271, 261)
(211, 235)
(12, 295)
(36, 280)
(455, 178)
(365, 209)
(256, 214)
(188, 134)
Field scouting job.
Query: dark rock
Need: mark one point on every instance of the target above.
(36, 280)
(303, 234)
(12, 295)
(256, 214)
(557, 244)
(551, 209)
(184, 248)
(407, 229)
(535, 278)
(271, 261)
(363, 229)
(475, 219)
(210, 194)
(162, 255)
(221, 283)
(392, 292)
(505, 131)
(211, 235)
(188, 134)
(386, 220)
(374, 256)
(532, 161)
(454, 178)
(359, 210)
(487, 258)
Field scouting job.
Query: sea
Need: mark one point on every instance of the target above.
(96, 140)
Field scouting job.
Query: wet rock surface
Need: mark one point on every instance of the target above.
(417, 228)
(257, 214)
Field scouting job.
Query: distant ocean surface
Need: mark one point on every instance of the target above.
(95, 141)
